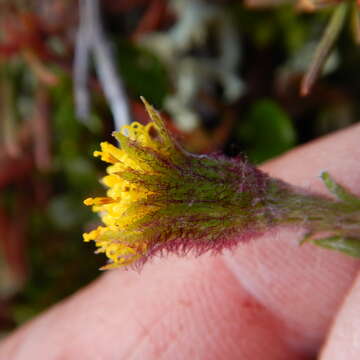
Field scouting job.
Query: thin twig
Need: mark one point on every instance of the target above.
(322, 51)
(81, 65)
(7, 120)
(91, 38)
(41, 131)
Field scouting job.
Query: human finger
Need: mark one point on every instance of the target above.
(343, 341)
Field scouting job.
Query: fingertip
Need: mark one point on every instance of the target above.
(343, 340)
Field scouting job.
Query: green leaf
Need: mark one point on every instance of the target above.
(267, 131)
(143, 72)
(339, 191)
(355, 22)
(349, 246)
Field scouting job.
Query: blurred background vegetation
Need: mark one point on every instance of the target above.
(228, 75)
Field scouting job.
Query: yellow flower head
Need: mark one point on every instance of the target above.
(161, 198)
(142, 150)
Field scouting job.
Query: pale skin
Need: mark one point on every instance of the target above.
(270, 299)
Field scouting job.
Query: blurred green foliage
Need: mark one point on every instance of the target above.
(143, 73)
(266, 131)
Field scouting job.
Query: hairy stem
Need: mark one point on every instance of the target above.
(324, 219)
